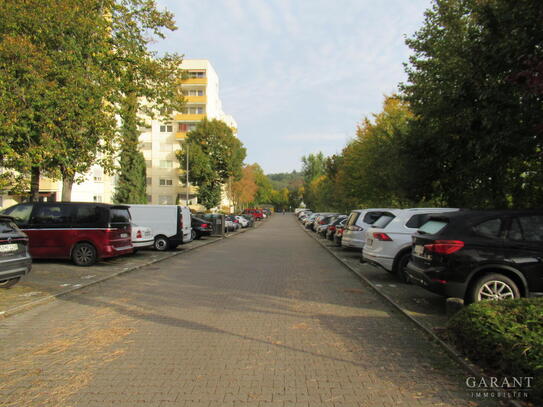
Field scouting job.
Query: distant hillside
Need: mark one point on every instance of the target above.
(290, 180)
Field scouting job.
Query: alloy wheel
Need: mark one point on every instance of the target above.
(495, 290)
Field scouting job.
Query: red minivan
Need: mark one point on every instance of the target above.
(83, 232)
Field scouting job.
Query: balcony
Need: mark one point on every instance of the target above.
(196, 99)
(189, 117)
(195, 81)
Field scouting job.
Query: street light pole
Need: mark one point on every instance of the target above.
(187, 175)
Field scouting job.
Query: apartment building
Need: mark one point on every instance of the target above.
(162, 139)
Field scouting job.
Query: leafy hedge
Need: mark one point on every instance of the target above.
(506, 336)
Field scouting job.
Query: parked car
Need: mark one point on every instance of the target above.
(171, 224)
(308, 222)
(249, 218)
(242, 221)
(83, 232)
(326, 221)
(388, 241)
(331, 229)
(235, 221)
(321, 219)
(257, 213)
(354, 234)
(15, 260)
(338, 236)
(229, 225)
(142, 237)
(201, 227)
(480, 255)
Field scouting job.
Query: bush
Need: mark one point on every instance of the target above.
(506, 336)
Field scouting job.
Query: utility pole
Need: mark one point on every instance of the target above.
(187, 175)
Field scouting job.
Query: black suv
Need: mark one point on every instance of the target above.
(480, 255)
(15, 261)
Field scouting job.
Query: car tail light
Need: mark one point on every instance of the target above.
(355, 228)
(138, 234)
(444, 246)
(332, 228)
(382, 237)
(204, 225)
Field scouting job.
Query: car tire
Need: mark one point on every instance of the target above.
(9, 283)
(192, 235)
(493, 286)
(84, 254)
(161, 243)
(400, 266)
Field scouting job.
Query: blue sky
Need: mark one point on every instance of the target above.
(297, 75)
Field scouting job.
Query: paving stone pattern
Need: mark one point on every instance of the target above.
(268, 318)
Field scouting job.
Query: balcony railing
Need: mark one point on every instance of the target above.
(194, 117)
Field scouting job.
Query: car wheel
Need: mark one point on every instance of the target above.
(401, 266)
(494, 287)
(192, 235)
(161, 243)
(84, 254)
(9, 283)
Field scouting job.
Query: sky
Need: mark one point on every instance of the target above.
(297, 75)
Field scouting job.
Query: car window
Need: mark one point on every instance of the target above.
(433, 226)
(52, 215)
(20, 213)
(352, 218)
(119, 215)
(416, 221)
(371, 217)
(383, 220)
(87, 214)
(489, 228)
(527, 228)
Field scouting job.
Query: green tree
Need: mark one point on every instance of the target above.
(312, 168)
(475, 93)
(215, 156)
(264, 193)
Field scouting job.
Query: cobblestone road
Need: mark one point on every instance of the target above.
(267, 318)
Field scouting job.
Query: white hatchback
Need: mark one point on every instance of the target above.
(388, 241)
(354, 234)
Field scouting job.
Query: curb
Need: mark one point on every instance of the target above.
(25, 307)
(457, 357)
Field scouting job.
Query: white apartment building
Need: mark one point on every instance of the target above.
(159, 143)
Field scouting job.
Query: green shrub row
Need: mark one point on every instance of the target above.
(505, 336)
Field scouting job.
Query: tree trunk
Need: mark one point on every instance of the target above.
(67, 183)
(34, 184)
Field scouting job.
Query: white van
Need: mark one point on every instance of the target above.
(171, 224)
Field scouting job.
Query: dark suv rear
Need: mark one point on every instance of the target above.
(15, 261)
(479, 255)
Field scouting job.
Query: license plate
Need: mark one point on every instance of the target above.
(123, 235)
(8, 248)
(418, 250)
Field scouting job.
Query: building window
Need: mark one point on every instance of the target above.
(166, 128)
(149, 199)
(197, 74)
(166, 164)
(165, 200)
(195, 92)
(97, 175)
(195, 110)
(97, 198)
(148, 163)
(147, 146)
(149, 181)
(165, 182)
(166, 148)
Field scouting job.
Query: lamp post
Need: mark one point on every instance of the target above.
(187, 175)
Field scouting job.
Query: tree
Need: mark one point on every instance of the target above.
(244, 190)
(215, 156)
(265, 189)
(474, 90)
(312, 168)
